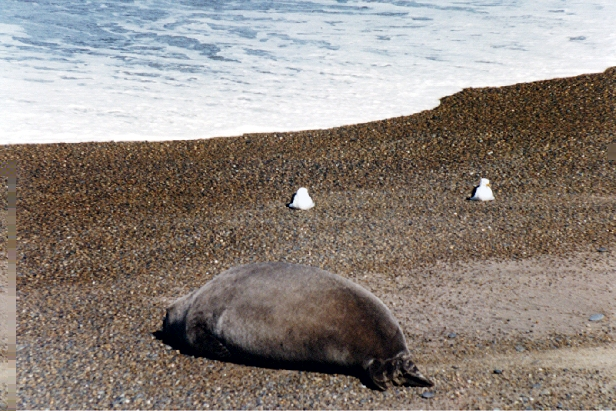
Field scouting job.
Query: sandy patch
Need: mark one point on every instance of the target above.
(530, 298)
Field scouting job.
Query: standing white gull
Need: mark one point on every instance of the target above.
(483, 192)
(302, 200)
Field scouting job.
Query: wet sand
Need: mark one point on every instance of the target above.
(110, 233)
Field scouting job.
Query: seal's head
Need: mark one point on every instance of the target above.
(399, 370)
(174, 325)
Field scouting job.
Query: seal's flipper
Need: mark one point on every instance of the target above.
(413, 378)
(399, 370)
(379, 374)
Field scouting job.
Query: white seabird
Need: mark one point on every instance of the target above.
(302, 200)
(483, 192)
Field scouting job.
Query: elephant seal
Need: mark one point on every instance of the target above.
(282, 315)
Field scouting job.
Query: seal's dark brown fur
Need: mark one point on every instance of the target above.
(279, 313)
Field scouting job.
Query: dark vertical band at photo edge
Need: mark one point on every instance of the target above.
(9, 170)
(611, 152)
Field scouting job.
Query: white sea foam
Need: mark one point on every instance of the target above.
(160, 69)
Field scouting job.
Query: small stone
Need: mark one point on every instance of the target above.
(498, 371)
(427, 394)
(602, 250)
(452, 335)
(596, 317)
(519, 348)
(559, 406)
(535, 386)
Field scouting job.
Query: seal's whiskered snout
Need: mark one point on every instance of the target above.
(167, 323)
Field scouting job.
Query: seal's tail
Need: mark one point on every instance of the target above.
(398, 370)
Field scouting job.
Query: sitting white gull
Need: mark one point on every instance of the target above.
(302, 200)
(483, 192)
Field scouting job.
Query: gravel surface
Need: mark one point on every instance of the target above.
(7, 372)
(110, 233)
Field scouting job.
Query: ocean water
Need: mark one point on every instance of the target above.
(75, 70)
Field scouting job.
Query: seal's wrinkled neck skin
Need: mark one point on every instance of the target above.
(398, 370)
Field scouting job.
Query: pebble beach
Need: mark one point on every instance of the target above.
(495, 298)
